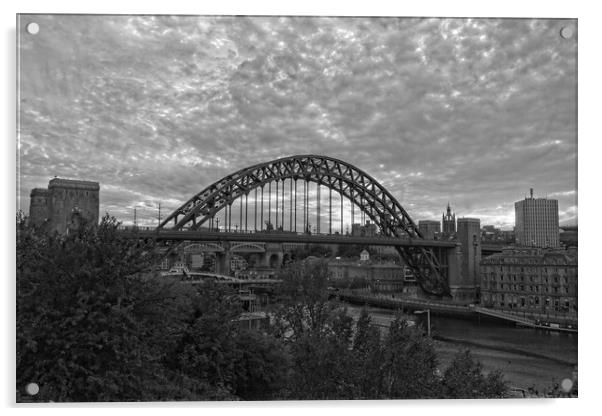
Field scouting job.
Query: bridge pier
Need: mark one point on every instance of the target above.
(222, 260)
(273, 255)
(465, 282)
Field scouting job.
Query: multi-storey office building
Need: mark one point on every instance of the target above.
(533, 280)
(536, 222)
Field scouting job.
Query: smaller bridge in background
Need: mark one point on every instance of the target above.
(221, 279)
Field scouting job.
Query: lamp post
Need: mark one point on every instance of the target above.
(428, 319)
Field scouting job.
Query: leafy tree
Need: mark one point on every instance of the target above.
(464, 379)
(351, 283)
(367, 358)
(94, 323)
(331, 361)
(316, 250)
(410, 362)
(91, 321)
(214, 348)
(304, 305)
(261, 367)
(353, 250)
(319, 336)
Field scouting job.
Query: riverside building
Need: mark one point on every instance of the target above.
(533, 280)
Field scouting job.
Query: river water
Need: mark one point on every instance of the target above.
(527, 357)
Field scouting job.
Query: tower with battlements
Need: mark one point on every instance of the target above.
(65, 204)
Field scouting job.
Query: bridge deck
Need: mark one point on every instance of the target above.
(282, 237)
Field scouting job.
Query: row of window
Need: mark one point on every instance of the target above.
(559, 304)
(533, 278)
(531, 288)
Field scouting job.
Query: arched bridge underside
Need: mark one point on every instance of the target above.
(340, 177)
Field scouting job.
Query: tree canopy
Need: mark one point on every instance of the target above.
(334, 357)
(96, 322)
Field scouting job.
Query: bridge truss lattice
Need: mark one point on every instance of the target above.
(337, 176)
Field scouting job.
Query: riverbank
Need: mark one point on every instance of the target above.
(442, 308)
(529, 358)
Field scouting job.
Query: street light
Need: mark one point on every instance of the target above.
(428, 319)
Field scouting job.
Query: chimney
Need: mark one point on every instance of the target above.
(531, 193)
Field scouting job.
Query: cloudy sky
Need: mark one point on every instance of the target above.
(470, 111)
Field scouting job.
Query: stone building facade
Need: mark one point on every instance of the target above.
(429, 229)
(367, 230)
(64, 204)
(531, 280)
(383, 277)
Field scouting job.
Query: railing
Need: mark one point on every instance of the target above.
(543, 323)
(570, 317)
(499, 314)
(402, 302)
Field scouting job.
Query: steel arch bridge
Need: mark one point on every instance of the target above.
(338, 176)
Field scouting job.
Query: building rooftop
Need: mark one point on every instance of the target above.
(75, 184)
(39, 191)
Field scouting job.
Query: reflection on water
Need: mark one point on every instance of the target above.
(528, 357)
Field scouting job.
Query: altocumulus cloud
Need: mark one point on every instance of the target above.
(470, 111)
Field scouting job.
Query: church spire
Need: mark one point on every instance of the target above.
(449, 221)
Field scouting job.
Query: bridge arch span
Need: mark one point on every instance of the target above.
(342, 177)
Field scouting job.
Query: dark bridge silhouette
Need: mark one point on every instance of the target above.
(199, 213)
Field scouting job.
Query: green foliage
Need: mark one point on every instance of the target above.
(333, 358)
(83, 316)
(410, 362)
(351, 283)
(315, 250)
(304, 305)
(94, 323)
(464, 379)
(213, 347)
(261, 367)
(353, 250)
(368, 355)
